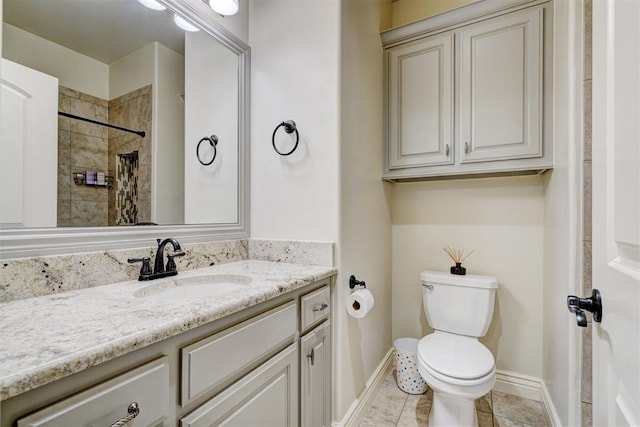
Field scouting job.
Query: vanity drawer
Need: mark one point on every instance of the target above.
(212, 361)
(315, 306)
(107, 403)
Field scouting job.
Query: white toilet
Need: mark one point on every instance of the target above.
(451, 360)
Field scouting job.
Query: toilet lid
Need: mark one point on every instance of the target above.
(455, 356)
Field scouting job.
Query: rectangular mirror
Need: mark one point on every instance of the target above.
(113, 117)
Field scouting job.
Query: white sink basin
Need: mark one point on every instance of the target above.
(208, 286)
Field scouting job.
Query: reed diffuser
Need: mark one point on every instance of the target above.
(457, 255)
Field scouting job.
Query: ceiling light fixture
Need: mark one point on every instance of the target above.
(186, 26)
(224, 7)
(152, 4)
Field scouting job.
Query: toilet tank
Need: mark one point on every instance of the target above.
(458, 304)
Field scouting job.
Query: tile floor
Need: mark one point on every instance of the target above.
(393, 407)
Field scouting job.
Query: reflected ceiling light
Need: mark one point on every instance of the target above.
(152, 4)
(224, 7)
(186, 26)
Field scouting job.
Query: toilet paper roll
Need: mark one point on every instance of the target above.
(359, 303)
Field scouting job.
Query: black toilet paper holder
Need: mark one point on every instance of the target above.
(353, 282)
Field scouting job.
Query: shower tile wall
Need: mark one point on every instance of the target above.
(81, 146)
(133, 111)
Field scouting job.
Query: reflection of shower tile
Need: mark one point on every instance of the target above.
(64, 103)
(94, 100)
(64, 213)
(64, 123)
(144, 210)
(89, 110)
(62, 90)
(144, 179)
(64, 147)
(64, 182)
(89, 193)
(89, 214)
(90, 129)
(88, 152)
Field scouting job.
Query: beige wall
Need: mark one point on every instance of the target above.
(365, 218)
(501, 219)
(406, 11)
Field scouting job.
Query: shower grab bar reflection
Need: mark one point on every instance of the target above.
(140, 133)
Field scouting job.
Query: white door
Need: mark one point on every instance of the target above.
(616, 211)
(28, 147)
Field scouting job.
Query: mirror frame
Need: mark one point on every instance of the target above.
(30, 242)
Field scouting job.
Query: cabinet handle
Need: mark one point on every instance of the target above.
(311, 356)
(446, 150)
(133, 410)
(319, 307)
(466, 148)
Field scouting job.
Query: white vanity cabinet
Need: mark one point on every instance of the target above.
(241, 370)
(497, 65)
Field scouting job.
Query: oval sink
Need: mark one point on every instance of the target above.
(207, 286)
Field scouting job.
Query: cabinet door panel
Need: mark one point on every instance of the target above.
(315, 373)
(501, 88)
(268, 396)
(421, 103)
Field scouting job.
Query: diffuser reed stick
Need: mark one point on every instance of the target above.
(457, 255)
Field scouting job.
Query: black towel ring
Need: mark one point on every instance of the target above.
(289, 127)
(213, 140)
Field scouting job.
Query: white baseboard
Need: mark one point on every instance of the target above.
(529, 388)
(518, 385)
(356, 411)
(549, 407)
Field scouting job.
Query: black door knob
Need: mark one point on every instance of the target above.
(592, 304)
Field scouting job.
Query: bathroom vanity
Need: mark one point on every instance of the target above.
(255, 352)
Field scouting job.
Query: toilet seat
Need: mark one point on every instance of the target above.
(455, 358)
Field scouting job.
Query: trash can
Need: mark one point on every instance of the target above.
(407, 376)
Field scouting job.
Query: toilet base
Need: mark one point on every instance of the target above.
(448, 411)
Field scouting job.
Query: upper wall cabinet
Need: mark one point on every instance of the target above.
(470, 96)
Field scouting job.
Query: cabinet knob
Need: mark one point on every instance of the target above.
(133, 411)
(466, 148)
(446, 150)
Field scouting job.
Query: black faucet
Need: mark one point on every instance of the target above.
(159, 269)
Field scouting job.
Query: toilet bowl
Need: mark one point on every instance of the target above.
(459, 370)
(451, 360)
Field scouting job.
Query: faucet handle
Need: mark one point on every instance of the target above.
(171, 264)
(145, 270)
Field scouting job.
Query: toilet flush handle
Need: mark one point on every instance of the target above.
(428, 286)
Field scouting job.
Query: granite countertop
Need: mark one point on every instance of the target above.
(47, 338)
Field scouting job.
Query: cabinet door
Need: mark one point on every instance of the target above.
(420, 102)
(267, 396)
(501, 88)
(315, 377)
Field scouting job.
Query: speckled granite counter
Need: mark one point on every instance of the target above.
(47, 338)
